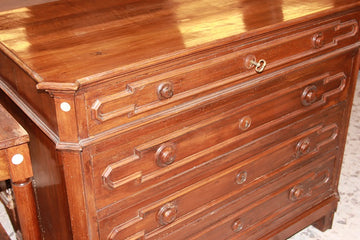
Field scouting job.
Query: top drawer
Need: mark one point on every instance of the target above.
(145, 100)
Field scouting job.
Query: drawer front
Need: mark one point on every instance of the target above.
(180, 151)
(149, 99)
(234, 214)
(246, 173)
(309, 185)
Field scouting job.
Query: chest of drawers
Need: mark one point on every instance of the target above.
(176, 119)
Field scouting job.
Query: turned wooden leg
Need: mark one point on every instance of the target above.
(14, 153)
(26, 209)
(325, 222)
(21, 174)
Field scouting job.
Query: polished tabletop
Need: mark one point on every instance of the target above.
(70, 41)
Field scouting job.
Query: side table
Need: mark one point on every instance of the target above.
(15, 164)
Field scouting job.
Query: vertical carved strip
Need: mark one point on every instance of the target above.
(66, 117)
(72, 165)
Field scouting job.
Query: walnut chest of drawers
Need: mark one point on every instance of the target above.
(179, 119)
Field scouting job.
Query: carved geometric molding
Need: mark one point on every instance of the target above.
(126, 101)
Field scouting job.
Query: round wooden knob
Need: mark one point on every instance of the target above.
(318, 40)
(308, 96)
(241, 177)
(237, 226)
(165, 91)
(303, 147)
(166, 154)
(245, 123)
(167, 214)
(297, 192)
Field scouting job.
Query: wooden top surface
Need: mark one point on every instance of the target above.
(11, 132)
(80, 41)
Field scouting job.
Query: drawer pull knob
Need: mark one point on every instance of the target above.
(165, 155)
(303, 147)
(241, 177)
(237, 226)
(314, 180)
(309, 95)
(165, 91)
(297, 192)
(245, 123)
(167, 214)
(318, 40)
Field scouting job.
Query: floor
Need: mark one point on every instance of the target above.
(346, 225)
(5, 221)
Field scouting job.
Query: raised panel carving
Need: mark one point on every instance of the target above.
(175, 213)
(186, 139)
(143, 96)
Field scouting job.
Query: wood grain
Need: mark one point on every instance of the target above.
(114, 36)
(151, 119)
(14, 142)
(11, 132)
(4, 166)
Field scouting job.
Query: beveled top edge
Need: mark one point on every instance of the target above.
(55, 86)
(18, 61)
(49, 80)
(138, 66)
